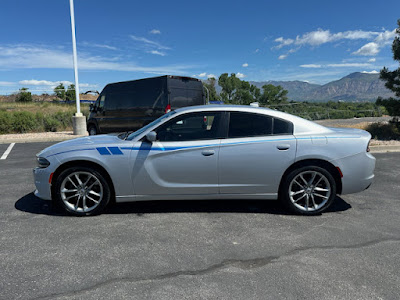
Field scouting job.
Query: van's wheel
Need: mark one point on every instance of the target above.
(309, 190)
(82, 191)
(92, 130)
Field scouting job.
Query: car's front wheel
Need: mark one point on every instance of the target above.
(82, 191)
(308, 190)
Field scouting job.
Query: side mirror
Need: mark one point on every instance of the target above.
(151, 136)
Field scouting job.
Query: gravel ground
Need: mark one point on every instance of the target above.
(37, 137)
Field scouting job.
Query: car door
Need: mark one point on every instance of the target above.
(256, 153)
(183, 160)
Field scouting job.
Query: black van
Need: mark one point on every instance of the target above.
(129, 105)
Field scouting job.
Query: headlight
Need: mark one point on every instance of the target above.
(42, 162)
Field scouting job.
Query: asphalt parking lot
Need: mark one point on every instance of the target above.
(198, 249)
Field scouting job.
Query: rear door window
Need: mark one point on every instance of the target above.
(243, 124)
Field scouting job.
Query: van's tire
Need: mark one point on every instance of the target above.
(82, 191)
(308, 190)
(92, 129)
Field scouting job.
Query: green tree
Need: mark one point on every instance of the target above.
(210, 85)
(23, 95)
(392, 79)
(59, 90)
(246, 93)
(70, 93)
(229, 84)
(273, 95)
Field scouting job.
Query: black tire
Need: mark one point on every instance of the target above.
(92, 129)
(76, 187)
(310, 196)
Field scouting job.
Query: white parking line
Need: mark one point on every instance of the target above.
(4, 156)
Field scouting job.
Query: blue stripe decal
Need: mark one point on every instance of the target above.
(115, 151)
(103, 151)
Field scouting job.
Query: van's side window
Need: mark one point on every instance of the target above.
(102, 100)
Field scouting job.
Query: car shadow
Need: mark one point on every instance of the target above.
(32, 204)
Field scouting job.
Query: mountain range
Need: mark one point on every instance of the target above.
(356, 86)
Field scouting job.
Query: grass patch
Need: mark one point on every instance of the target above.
(37, 117)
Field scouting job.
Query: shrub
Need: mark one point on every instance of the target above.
(25, 121)
(384, 131)
(6, 122)
(24, 96)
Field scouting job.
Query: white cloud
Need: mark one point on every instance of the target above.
(257, 50)
(46, 57)
(48, 83)
(203, 74)
(149, 42)
(372, 59)
(6, 83)
(104, 46)
(155, 31)
(320, 37)
(283, 42)
(339, 65)
(43, 82)
(283, 56)
(370, 72)
(369, 49)
(347, 65)
(310, 66)
(211, 76)
(240, 75)
(245, 65)
(156, 52)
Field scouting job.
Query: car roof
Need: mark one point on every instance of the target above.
(301, 126)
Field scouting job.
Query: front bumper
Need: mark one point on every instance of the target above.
(43, 187)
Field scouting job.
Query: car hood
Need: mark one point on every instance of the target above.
(82, 143)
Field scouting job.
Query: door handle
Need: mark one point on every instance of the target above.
(283, 146)
(208, 152)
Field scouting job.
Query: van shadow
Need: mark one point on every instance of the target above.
(34, 205)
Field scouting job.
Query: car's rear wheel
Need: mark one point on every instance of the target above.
(308, 190)
(82, 191)
(92, 130)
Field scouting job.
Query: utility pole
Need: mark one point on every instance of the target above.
(78, 120)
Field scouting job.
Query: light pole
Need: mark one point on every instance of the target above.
(79, 120)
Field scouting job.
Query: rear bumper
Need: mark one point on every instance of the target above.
(358, 172)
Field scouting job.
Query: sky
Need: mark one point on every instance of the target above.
(119, 40)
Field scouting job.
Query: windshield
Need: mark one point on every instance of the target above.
(155, 122)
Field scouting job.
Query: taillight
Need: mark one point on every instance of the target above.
(368, 146)
(168, 108)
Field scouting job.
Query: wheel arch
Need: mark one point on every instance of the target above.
(82, 163)
(319, 163)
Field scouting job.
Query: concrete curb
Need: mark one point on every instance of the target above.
(384, 149)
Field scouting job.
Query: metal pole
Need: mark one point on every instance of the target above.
(78, 105)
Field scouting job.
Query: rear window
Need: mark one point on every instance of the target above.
(249, 124)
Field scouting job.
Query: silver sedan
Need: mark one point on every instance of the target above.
(209, 152)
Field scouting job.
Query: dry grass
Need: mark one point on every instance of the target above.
(43, 107)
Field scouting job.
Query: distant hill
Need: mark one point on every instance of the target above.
(353, 87)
